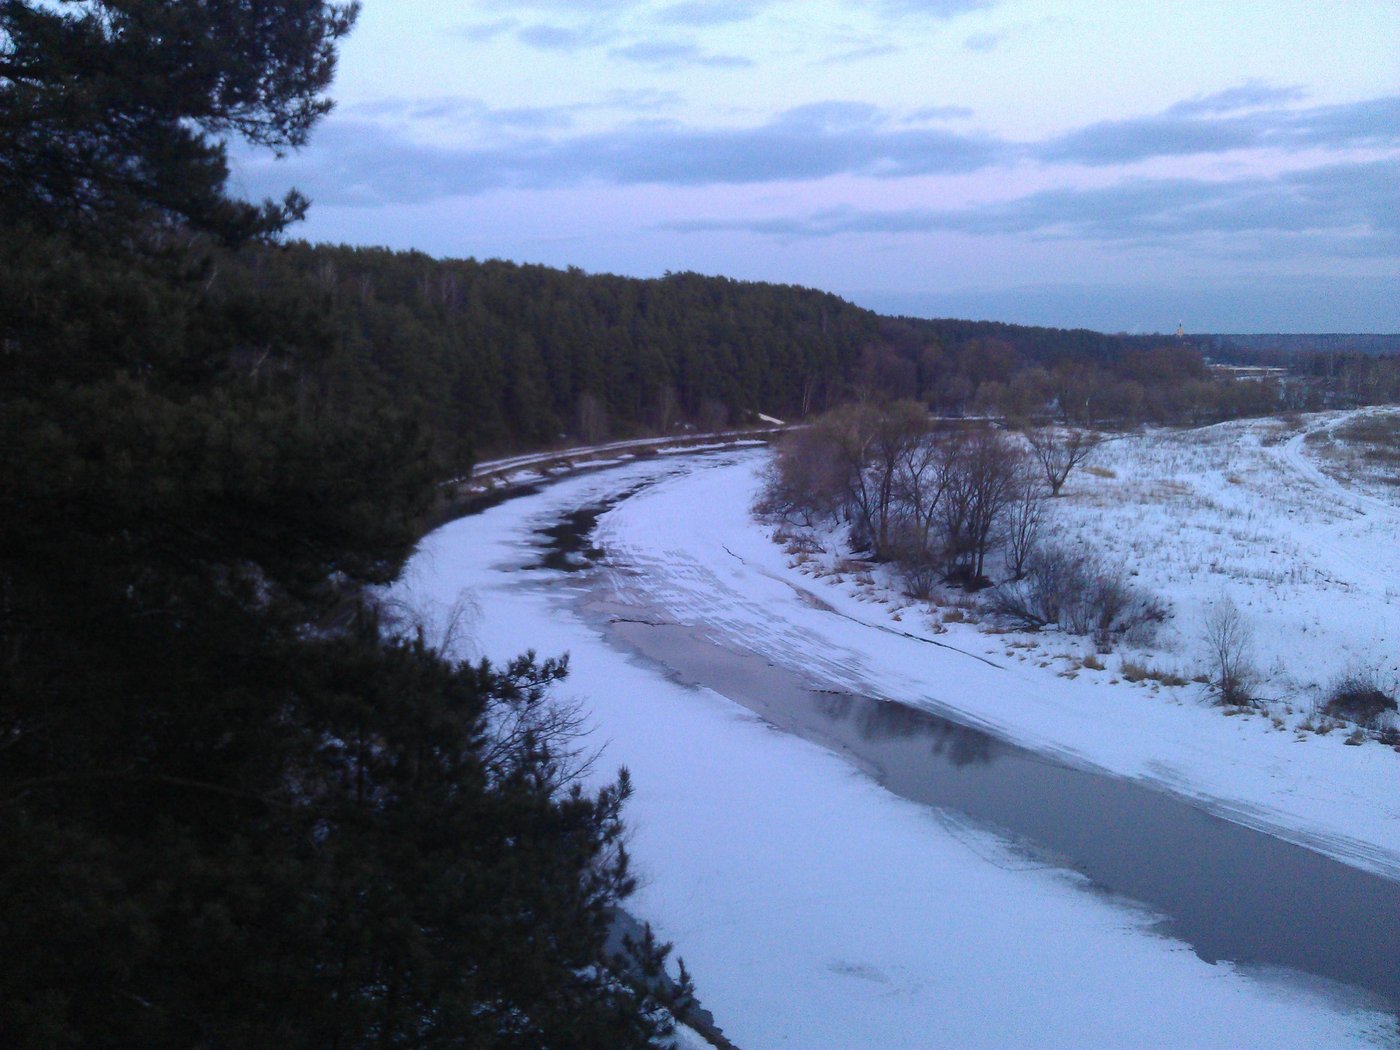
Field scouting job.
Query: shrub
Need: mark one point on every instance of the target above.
(1065, 589)
(1229, 642)
(1359, 696)
(918, 567)
(920, 577)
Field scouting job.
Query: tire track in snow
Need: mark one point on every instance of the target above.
(816, 602)
(1379, 514)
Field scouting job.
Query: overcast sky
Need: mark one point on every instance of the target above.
(1112, 164)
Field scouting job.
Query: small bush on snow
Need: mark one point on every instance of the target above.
(1360, 696)
(1065, 589)
(1229, 643)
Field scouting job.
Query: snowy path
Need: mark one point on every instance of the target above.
(1379, 569)
(1294, 455)
(815, 910)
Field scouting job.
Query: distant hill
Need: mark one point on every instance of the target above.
(1359, 343)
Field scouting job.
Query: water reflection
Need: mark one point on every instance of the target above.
(568, 545)
(883, 721)
(1228, 891)
(568, 548)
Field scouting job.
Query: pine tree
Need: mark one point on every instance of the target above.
(236, 810)
(115, 113)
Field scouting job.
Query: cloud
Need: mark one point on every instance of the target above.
(1252, 94)
(858, 54)
(484, 32)
(584, 7)
(716, 12)
(1352, 203)
(709, 12)
(370, 162)
(547, 37)
(376, 154)
(1178, 132)
(470, 116)
(941, 113)
(604, 28)
(640, 100)
(934, 8)
(670, 53)
(984, 41)
(464, 111)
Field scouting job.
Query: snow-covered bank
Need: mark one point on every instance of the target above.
(703, 560)
(815, 909)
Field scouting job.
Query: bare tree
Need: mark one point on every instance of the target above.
(979, 489)
(848, 433)
(447, 629)
(1025, 513)
(1059, 450)
(805, 483)
(922, 476)
(1229, 643)
(866, 444)
(897, 432)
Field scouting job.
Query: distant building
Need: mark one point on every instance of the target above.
(1180, 332)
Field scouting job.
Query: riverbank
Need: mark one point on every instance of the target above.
(723, 570)
(814, 908)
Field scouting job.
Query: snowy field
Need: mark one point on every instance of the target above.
(817, 910)
(1275, 515)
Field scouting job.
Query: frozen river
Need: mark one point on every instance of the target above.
(839, 869)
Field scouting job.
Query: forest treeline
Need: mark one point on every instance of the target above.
(493, 356)
(1320, 371)
(1294, 343)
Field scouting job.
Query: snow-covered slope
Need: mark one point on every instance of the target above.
(1312, 573)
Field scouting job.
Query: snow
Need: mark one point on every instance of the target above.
(1245, 510)
(537, 466)
(720, 570)
(814, 908)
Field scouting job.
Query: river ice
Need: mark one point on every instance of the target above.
(814, 908)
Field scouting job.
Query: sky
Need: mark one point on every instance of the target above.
(1230, 166)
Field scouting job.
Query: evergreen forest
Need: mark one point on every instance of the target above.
(238, 807)
(496, 357)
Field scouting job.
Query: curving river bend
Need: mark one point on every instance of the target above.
(1227, 891)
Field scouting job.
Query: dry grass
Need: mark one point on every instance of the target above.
(1133, 671)
(1382, 430)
